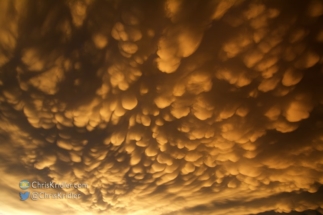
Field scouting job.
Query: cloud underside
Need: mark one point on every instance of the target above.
(164, 107)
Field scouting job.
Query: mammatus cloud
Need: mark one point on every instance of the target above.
(163, 107)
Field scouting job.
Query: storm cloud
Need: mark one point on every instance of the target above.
(163, 107)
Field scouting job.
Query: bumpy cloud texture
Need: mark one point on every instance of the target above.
(163, 107)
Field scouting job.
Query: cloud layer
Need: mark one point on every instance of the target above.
(163, 107)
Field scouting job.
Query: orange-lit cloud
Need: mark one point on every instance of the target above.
(163, 107)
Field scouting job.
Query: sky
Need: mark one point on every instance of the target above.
(162, 107)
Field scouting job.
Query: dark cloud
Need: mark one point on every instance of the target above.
(163, 107)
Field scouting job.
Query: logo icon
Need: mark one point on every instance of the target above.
(24, 184)
(23, 196)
